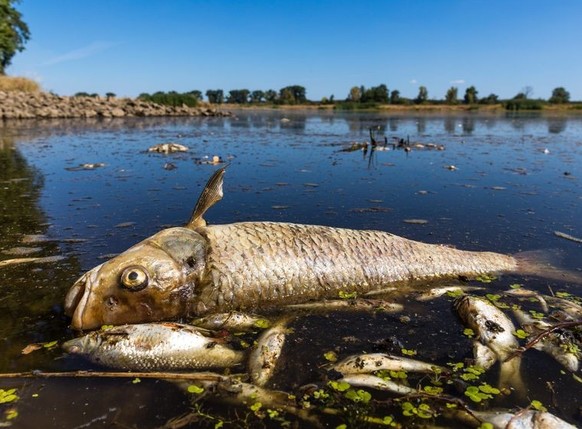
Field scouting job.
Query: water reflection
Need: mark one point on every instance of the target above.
(557, 125)
(30, 295)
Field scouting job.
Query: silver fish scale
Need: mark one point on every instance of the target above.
(254, 263)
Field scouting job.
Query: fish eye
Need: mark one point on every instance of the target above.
(134, 278)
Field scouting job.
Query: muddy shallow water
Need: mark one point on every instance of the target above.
(502, 183)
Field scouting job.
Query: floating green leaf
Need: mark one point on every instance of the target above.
(515, 285)
(433, 390)
(469, 332)
(7, 396)
(358, 396)
(330, 356)
(493, 297)
(561, 294)
(486, 425)
(11, 414)
(485, 278)
(50, 344)
(340, 386)
(195, 389)
(455, 293)
(537, 405)
(408, 352)
(521, 334)
(136, 380)
(256, 407)
(262, 323)
(536, 314)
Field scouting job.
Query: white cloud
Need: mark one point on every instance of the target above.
(457, 82)
(80, 53)
(414, 81)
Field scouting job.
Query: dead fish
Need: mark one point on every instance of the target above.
(233, 321)
(86, 166)
(494, 338)
(154, 347)
(374, 382)
(359, 304)
(200, 269)
(266, 353)
(524, 419)
(370, 362)
(31, 260)
(168, 148)
(440, 291)
(231, 390)
(556, 344)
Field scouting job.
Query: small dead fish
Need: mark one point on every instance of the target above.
(374, 382)
(440, 291)
(524, 419)
(492, 327)
(494, 339)
(359, 304)
(370, 362)
(555, 344)
(86, 166)
(567, 237)
(154, 347)
(30, 260)
(233, 321)
(265, 355)
(168, 148)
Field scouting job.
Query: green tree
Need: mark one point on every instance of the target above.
(257, 96)
(14, 33)
(355, 94)
(271, 95)
(196, 94)
(422, 96)
(451, 96)
(559, 96)
(238, 96)
(376, 94)
(294, 94)
(215, 96)
(490, 99)
(395, 97)
(471, 95)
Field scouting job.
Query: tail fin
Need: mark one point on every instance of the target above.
(545, 264)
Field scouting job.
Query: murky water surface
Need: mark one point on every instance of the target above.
(503, 183)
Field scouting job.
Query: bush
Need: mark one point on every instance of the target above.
(171, 98)
(9, 83)
(523, 104)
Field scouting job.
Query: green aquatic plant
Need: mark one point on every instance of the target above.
(481, 393)
(330, 356)
(521, 334)
(7, 396)
(345, 295)
(358, 396)
(408, 352)
(468, 332)
(537, 405)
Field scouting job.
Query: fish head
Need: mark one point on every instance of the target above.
(153, 280)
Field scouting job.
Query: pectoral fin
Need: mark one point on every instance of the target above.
(211, 194)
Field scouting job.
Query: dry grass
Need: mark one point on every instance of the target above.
(9, 83)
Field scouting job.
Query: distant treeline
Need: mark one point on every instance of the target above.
(359, 97)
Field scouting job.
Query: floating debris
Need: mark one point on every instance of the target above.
(567, 236)
(21, 251)
(124, 224)
(168, 148)
(280, 207)
(206, 160)
(374, 209)
(416, 221)
(170, 166)
(451, 167)
(88, 166)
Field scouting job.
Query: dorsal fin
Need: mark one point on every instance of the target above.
(211, 194)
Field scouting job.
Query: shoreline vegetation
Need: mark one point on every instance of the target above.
(22, 98)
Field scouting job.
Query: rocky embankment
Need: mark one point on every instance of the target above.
(25, 105)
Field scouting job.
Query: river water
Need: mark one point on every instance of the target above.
(504, 183)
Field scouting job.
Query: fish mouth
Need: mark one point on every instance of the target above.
(77, 302)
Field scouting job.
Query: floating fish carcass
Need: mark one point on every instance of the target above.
(200, 269)
(154, 347)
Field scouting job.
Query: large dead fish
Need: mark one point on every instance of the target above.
(200, 269)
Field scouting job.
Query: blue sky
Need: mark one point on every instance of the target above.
(129, 47)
